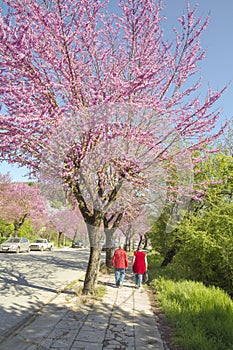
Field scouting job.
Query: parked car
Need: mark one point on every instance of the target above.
(16, 245)
(41, 244)
(78, 244)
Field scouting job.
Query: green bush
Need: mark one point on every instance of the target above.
(156, 271)
(27, 230)
(6, 230)
(206, 254)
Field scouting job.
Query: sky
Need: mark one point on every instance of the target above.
(217, 67)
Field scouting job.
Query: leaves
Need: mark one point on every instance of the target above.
(19, 201)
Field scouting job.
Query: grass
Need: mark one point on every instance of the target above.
(71, 285)
(201, 318)
(76, 286)
(97, 293)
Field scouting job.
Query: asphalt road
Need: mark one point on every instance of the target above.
(28, 280)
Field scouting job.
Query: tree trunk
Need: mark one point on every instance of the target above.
(59, 239)
(168, 257)
(75, 236)
(109, 247)
(94, 234)
(145, 242)
(16, 228)
(18, 224)
(140, 241)
(171, 252)
(127, 244)
(109, 254)
(110, 226)
(91, 277)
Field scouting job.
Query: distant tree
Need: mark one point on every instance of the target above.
(28, 229)
(124, 227)
(104, 100)
(5, 178)
(18, 202)
(6, 229)
(225, 142)
(68, 223)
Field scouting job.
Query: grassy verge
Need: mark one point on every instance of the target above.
(201, 318)
(76, 287)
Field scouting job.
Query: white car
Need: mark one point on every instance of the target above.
(41, 244)
(15, 245)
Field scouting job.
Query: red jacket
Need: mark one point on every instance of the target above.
(120, 259)
(139, 262)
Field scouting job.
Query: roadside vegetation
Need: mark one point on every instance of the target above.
(199, 317)
(78, 299)
(200, 247)
(30, 231)
(191, 267)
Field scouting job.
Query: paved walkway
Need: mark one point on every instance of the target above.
(122, 319)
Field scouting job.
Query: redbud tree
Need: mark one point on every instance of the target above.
(20, 202)
(103, 105)
(68, 223)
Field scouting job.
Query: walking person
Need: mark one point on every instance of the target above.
(120, 263)
(139, 264)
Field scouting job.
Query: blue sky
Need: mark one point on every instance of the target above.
(216, 69)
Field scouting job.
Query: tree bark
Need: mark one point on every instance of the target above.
(168, 257)
(91, 277)
(75, 236)
(110, 226)
(18, 224)
(171, 253)
(94, 233)
(109, 254)
(146, 241)
(109, 248)
(59, 239)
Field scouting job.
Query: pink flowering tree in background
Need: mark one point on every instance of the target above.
(103, 106)
(68, 223)
(6, 228)
(5, 178)
(225, 143)
(125, 226)
(122, 226)
(20, 202)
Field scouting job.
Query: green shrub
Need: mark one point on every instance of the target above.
(6, 230)
(27, 230)
(156, 271)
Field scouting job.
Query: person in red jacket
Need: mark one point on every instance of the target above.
(120, 263)
(139, 264)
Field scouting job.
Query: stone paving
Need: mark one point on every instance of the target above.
(122, 319)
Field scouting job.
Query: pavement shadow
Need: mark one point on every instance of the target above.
(88, 325)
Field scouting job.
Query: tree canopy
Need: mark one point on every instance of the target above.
(20, 202)
(102, 104)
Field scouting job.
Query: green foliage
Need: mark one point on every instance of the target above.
(6, 230)
(201, 317)
(201, 247)
(207, 251)
(156, 271)
(160, 239)
(27, 230)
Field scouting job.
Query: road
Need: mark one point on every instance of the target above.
(28, 280)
